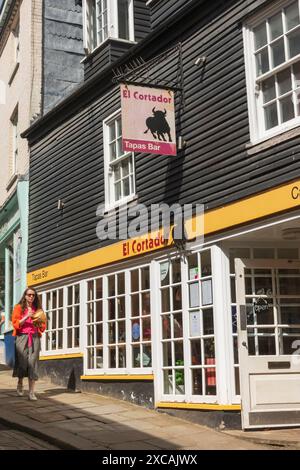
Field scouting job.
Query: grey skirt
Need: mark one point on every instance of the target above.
(26, 359)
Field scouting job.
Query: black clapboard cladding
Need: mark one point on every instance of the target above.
(215, 168)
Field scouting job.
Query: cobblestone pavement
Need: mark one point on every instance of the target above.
(93, 422)
(11, 439)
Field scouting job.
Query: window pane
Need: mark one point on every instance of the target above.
(146, 329)
(296, 70)
(121, 332)
(146, 303)
(287, 108)
(135, 306)
(284, 81)
(60, 297)
(119, 127)
(147, 361)
(70, 317)
(208, 322)
(122, 357)
(125, 169)
(76, 315)
(118, 191)
(112, 151)
(112, 132)
(99, 311)
(145, 278)
(196, 352)
(126, 187)
(121, 283)
(111, 286)
(205, 263)
(271, 117)
(99, 288)
(197, 382)
(123, 19)
(119, 148)
(262, 62)
(167, 354)
(117, 172)
(292, 16)
(135, 331)
(176, 269)
(260, 36)
(177, 326)
(268, 89)
(276, 29)
(166, 326)
(111, 309)
(134, 280)
(277, 51)
(298, 103)
(294, 43)
(121, 307)
(90, 290)
(165, 300)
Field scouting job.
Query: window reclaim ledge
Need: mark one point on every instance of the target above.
(11, 181)
(12, 75)
(252, 149)
(106, 43)
(118, 377)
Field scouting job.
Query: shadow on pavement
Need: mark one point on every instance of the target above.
(71, 420)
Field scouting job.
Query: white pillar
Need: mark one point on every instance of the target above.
(223, 330)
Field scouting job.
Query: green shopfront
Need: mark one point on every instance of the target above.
(13, 255)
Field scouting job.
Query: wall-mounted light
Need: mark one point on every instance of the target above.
(60, 204)
(181, 143)
(200, 61)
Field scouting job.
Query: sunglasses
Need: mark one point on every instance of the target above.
(30, 295)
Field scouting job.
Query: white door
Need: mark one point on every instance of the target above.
(268, 298)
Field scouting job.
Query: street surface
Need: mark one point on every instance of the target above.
(11, 439)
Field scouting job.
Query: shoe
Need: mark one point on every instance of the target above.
(20, 391)
(32, 396)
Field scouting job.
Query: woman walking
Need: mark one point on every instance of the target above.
(28, 336)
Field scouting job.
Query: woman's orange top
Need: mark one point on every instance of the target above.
(16, 317)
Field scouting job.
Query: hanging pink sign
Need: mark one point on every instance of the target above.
(148, 120)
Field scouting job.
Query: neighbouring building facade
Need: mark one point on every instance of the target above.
(218, 323)
(37, 68)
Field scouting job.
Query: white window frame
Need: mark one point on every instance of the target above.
(15, 148)
(65, 327)
(112, 23)
(111, 371)
(110, 201)
(222, 396)
(254, 93)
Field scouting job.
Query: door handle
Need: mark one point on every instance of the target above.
(244, 344)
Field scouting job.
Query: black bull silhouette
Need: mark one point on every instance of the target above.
(158, 125)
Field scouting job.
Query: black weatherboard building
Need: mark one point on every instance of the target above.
(189, 333)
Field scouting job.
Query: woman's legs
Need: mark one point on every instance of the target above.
(20, 391)
(31, 384)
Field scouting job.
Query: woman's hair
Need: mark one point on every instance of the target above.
(36, 301)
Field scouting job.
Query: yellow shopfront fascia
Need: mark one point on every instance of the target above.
(268, 203)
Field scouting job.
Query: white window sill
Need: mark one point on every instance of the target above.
(281, 135)
(12, 75)
(119, 204)
(11, 181)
